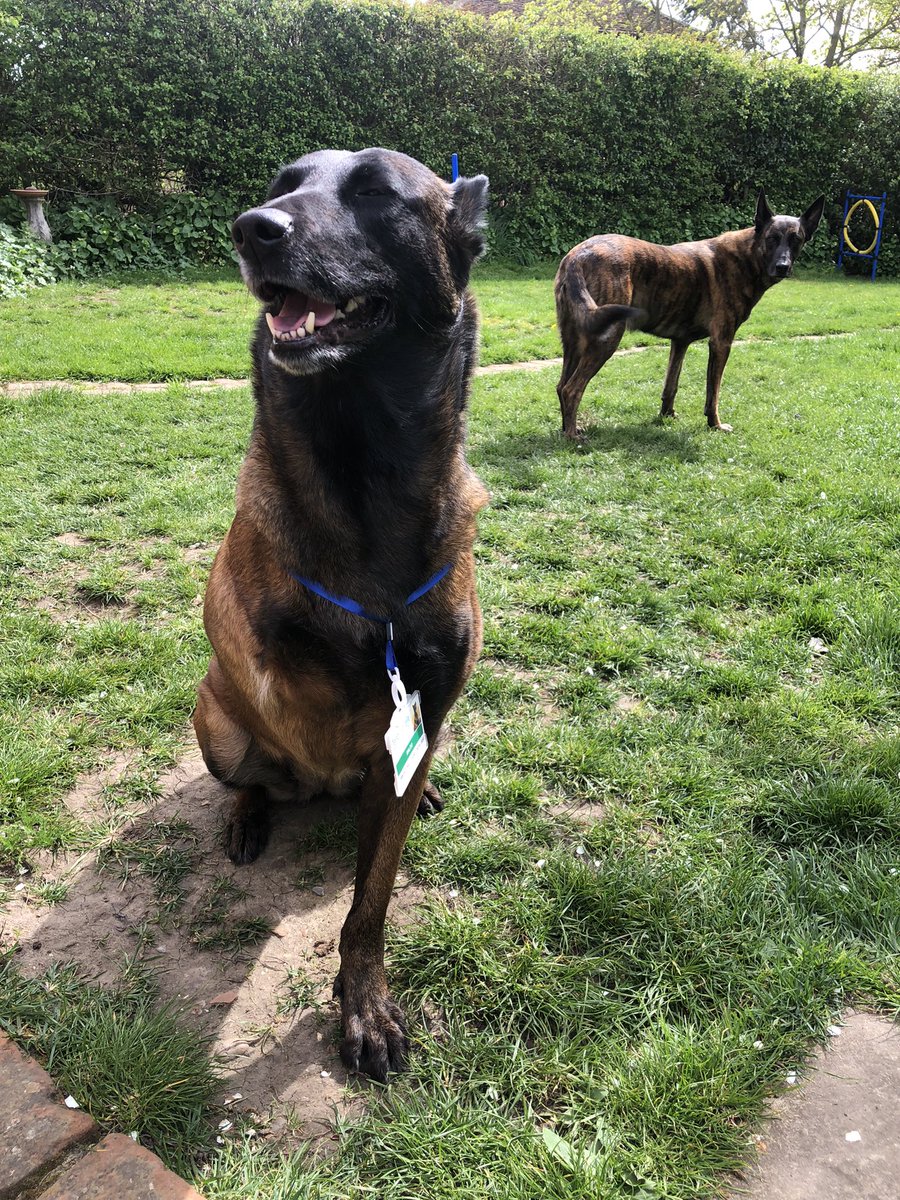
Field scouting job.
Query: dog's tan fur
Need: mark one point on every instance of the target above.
(356, 478)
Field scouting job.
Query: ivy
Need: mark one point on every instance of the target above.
(24, 263)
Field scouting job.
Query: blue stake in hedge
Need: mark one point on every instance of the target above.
(454, 168)
(852, 202)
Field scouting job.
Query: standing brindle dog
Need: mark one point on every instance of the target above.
(686, 292)
(356, 480)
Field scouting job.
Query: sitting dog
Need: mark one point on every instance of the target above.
(686, 292)
(341, 606)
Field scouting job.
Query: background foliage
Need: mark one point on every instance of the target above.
(24, 263)
(151, 105)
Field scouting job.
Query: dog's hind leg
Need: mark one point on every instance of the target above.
(677, 351)
(232, 755)
(432, 801)
(571, 387)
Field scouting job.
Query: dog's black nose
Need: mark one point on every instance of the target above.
(260, 229)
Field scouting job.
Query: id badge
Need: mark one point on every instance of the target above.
(406, 741)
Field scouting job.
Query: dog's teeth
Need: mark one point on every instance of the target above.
(270, 321)
(351, 304)
(338, 315)
(310, 322)
(299, 333)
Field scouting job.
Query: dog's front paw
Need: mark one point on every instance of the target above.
(431, 802)
(247, 828)
(375, 1040)
(722, 428)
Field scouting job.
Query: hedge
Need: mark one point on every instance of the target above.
(662, 138)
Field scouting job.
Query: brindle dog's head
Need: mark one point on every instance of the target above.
(779, 240)
(350, 248)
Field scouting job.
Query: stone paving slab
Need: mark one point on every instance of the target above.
(36, 1128)
(836, 1136)
(119, 1169)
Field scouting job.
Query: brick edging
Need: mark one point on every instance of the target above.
(51, 1152)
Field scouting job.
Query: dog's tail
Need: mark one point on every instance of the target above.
(594, 318)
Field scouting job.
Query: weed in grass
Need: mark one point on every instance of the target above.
(221, 894)
(336, 836)
(106, 585)
(164, 854)
(310, 876)
(52, 893)
(297, 992)
(215, 927)
(231, 935)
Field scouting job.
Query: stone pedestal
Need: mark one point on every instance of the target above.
(33, 199)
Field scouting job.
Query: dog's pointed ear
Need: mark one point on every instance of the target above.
(468, 219)
(764, 214)
(811, 218)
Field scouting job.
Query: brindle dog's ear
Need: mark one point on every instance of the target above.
(811, 218)
(468, 218)
(764, 214)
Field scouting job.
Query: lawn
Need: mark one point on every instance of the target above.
(669, 855)
(198, 327)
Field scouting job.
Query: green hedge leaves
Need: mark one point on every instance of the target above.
(663, 138)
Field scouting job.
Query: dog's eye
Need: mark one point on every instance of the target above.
(373, 191)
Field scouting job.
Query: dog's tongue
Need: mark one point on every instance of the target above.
(296, 309)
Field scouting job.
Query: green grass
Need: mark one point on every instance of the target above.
(198, 327)
(600, 1006)
(128, 1061)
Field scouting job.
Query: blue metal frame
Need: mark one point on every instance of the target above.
(454, 168)
(843, 249)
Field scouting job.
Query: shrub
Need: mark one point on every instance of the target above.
(665, 138)
(24, 263)
(99, 237)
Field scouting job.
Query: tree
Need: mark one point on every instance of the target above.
(607, 16)
(828, 33)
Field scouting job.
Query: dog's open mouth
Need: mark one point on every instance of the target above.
(297, 319)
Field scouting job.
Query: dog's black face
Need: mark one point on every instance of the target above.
(780, 239)
(349, 247)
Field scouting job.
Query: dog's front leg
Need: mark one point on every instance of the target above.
(373, 1025)
(719, 349)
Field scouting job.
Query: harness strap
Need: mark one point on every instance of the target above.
(351, 606)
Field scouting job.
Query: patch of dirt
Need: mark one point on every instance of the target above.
(67, 612)
(626, 703)
(200, 552)
(85, 800)
(549, 711)
(71, 539)
(282, 1060)
(585, 812)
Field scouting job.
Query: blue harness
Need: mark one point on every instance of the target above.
(352, 606)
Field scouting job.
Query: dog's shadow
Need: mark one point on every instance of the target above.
(249, 953)
(656, 442)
